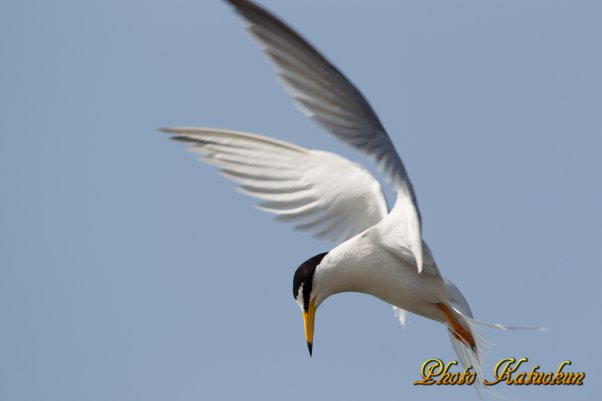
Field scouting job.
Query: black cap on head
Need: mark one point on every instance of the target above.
(304, 278)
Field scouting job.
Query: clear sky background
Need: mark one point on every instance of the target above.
(128, 271)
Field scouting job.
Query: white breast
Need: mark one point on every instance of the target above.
(363, 264)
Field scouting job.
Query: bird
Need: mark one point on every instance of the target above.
(380, 251)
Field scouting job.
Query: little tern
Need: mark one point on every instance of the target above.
(381, 251)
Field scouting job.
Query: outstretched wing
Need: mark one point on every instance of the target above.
(322, 92)
(320, 192)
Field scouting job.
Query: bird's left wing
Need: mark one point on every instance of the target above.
(320, 192)
(329, 98)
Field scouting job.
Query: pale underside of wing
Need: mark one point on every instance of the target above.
(324, 94)
(319, 192)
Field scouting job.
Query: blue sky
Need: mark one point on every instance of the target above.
(129, 271)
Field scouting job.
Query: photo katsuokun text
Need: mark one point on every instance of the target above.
(509, 371)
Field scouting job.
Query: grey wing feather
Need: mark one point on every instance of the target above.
(322, 92)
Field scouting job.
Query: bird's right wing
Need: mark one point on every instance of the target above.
(324, 94)
(320, 192)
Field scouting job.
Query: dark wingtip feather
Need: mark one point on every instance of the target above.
(180, 138)
(167, 130)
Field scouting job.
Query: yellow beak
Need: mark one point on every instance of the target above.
(308, 322)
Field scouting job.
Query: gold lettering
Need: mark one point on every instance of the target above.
(469, 377)
(558, 377)
(547, 378)
(568, 378)
(430, 368)
(578, 378)
(504, 370)
(446, 376)
(520, 378)
(499, 376)
(534, 376)
(559, 374)
(435, 371)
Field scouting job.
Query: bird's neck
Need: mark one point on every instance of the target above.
(341, 271)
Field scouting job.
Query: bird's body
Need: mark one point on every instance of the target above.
(363, 264)
(381, 251)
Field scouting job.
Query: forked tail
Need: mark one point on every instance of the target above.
(469, 345)
(467, 342)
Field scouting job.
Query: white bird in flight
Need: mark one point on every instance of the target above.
(381, 251)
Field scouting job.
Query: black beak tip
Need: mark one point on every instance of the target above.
(310, 347)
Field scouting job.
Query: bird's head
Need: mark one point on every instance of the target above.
(304, 292)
